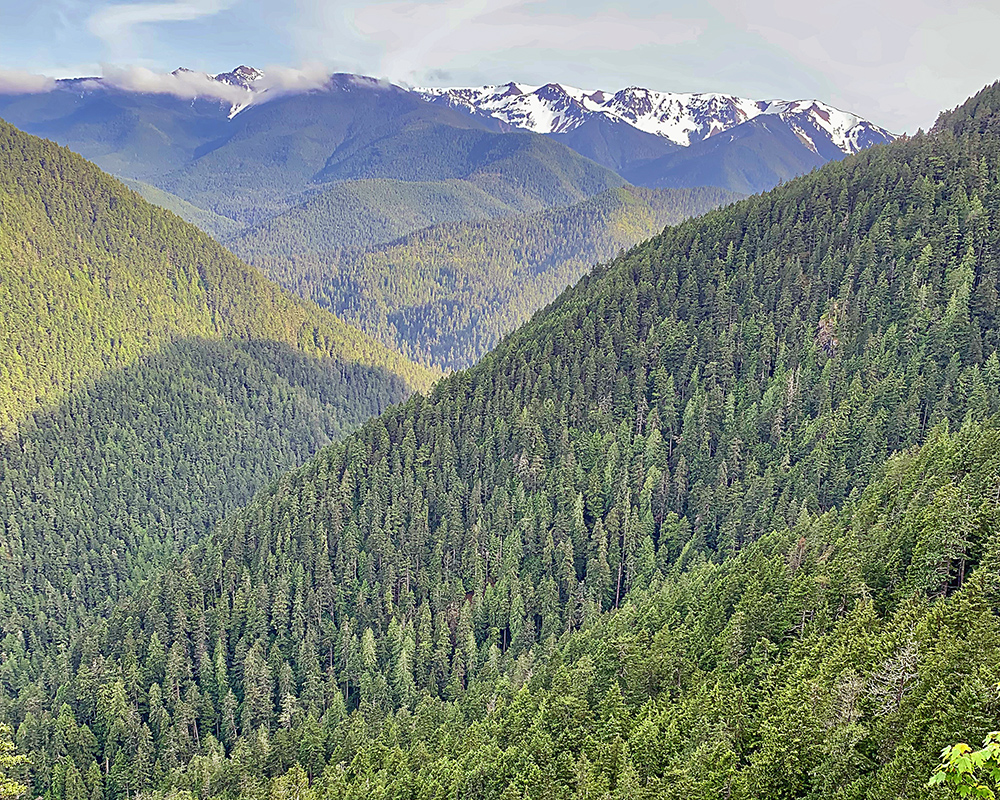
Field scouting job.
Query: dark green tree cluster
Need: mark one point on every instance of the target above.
(445, 295)
(831, 658)
(608, 560)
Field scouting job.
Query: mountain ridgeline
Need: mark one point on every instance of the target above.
(677, 139)
(652, 545)
(524, 148)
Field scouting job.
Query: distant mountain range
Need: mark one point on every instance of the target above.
(666, 139)
(239, 157)
(637, 131)
(682, 119)
(677, 117)
(349, 126)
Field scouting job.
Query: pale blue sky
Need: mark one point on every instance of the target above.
(895, 61)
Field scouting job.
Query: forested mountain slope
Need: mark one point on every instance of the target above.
(362, 214)
(214, 225)
(446, 294)
(643, 437)
(150, 382)
(832, 658)
(95, 277)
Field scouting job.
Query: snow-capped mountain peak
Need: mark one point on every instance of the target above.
(551, 108)
(243, 76)
(846, 131)
(682, 118)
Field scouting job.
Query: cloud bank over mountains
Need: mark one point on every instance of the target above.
(14, 81)
(186, 84)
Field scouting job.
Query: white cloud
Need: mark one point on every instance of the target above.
(114, 24)
(17, 82)
(417, 38)
(285, 80)
(900, 61)
(186, 85)
(189, 85)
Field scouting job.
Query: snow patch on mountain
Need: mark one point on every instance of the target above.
(682, 118)
(543, 109)
(847, 131)
(243, 76)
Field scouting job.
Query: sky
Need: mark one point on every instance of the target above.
(896, 62)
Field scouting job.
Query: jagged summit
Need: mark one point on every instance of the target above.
(681, 118)
(241, 76)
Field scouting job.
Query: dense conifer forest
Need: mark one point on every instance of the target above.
(446, 294)
(358, 215)
(655, 544)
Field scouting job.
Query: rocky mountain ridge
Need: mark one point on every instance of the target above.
(681, 118)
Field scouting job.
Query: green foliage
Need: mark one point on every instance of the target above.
(10, 762)
(445, 295)
(962, 769)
